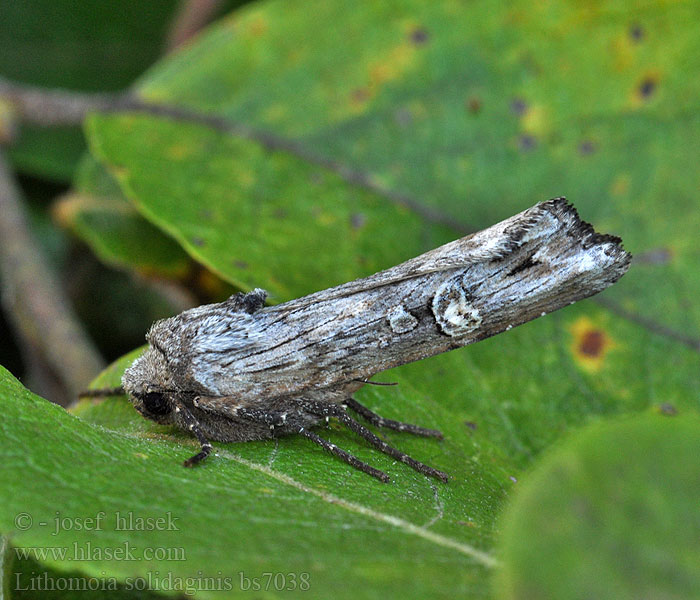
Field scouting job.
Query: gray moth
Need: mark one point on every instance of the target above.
(240, 370)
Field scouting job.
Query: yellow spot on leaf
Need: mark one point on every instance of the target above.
(178, 152)
(275, 113)
(140, 455)
(535, 121)
(392, 65)
(590, 344)
(258, 26)
(620, 185)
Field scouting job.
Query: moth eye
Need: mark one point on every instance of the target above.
(155, 403)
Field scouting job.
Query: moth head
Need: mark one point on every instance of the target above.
(148, 384)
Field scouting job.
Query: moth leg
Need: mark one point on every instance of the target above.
(274, 419)
(333, 410)
(193, 426)
(379, 421)
(353, 461)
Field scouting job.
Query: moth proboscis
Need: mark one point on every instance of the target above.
(239, 371)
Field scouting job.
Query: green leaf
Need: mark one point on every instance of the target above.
(99, 214)
(254, 508)
(612, 513)
(473, 111)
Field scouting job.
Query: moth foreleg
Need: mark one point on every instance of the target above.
(334, 410)
(380, 421)
(353, 461)
(194, 427)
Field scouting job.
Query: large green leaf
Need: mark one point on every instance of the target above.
(254, 508)
(473, 111)
(610, 514)
(289, 507)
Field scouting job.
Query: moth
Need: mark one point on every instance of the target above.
(240, 370)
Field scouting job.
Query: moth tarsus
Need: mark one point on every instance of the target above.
(238, 371)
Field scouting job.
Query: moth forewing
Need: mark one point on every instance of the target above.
(238, 371)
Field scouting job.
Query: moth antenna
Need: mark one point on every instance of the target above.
(376, 382)
(193, 426)
(353, 461)
(379, 421)
(102, 392)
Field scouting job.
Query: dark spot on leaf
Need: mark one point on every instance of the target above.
(586, 147)
(636, 32)
(198, 241)
(647, 87)
(667, 409)
(419, 36)
(474, 105)
(403, 116)
(518, 106)
(527, 142)
(592, 343)
(205, 214)
(360, 95)
(280, 213)
(471, 425)
(357, 220)
(656, 256)
(240, 264)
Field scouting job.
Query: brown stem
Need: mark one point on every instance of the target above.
(33, 298)
(190, 17)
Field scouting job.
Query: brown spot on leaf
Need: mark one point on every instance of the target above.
(647, 87)
(198, 241)
(636, 32)
(240, 264)
(358, 220)
(471, 425)
(586, 147)
(591, 344)
(360, 95)
(403, 116)
(667, 409)
(527, 142)
(474, 105)
(419, 36)
(518, 106)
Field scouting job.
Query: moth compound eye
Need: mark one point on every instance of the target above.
(155, 403)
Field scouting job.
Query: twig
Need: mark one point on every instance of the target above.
(52, 107)
(650, 324)
(190, 17)
(34, 299)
